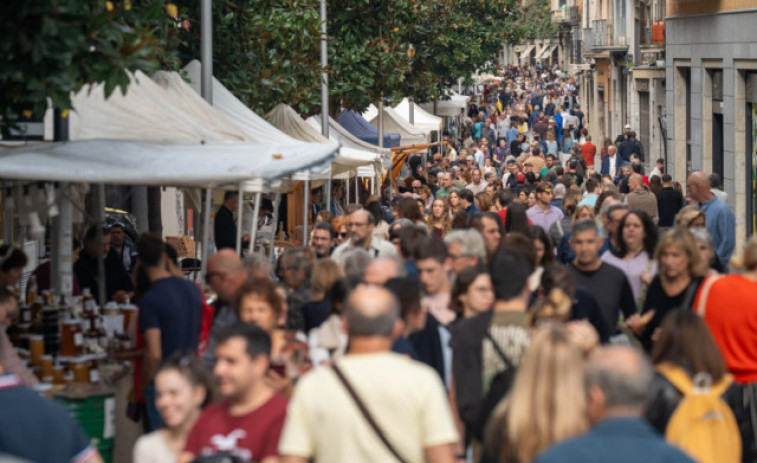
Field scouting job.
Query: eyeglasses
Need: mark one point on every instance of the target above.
(342, 235)
(356, 224)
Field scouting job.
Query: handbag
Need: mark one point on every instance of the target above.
(366, 414)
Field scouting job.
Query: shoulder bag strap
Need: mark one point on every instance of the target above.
(366, 414)
(498, 349)
(677, 377)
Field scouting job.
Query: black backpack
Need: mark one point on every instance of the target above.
(498, 389)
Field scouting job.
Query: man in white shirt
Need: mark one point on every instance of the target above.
(478, 156)
(405, 399)
(477, 185)
(361, 227)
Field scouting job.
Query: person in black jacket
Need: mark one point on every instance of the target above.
(685, 341)
(224, 225)
(669, 202)
(118, 284)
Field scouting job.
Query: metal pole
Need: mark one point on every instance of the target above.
(381, 123)
(324, 73)
(255, 216)
(347, 189)
(357, 192)
(7, 213)
(206, 50)
(306, 212)
(65, 279)
(206, 237)
(101, 293)
(276, 205)
(411, 112)
(240, 213)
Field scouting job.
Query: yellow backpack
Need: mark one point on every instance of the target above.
(702, 425)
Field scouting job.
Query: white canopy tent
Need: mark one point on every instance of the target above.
(394, 123)
(214, 164)
(455, 106)
(375, 159)
(421, 118)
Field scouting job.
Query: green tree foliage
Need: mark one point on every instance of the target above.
(534, 20)
(51, 48)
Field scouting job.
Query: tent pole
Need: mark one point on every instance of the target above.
(357, 192)
(240, 213)
(255, 216)
(347, 188)
(101, 292)
(381, 123)
(306, 212)
(63, 274)
(206, 50)
(276, 205)
(411, 112)
(206, 232)
(324, 73)
(7, 213)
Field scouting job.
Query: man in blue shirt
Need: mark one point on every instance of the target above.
(170, 313)
(618, 379)
(469, 202)
(720, 220)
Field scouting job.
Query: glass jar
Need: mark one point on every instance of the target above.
(36, 348)
(72, 338)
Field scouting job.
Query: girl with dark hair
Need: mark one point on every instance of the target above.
(545, 254)
(516, 220)
(182, 388)
(381, 229)
(636, 238)
(472, 292)
(12, 263)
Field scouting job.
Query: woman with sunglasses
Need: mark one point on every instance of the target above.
(340, 228)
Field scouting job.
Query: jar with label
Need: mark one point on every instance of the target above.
(80, 369)
(36, 348)
(25, 315)
(88, 302)
(94, 370)
(102, 335)
(68, 376)
(58, 374)
(46, 366)
(72, 338)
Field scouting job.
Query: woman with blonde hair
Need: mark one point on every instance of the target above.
(690, 217)
(483, 201)
(547, 403)
(674, 287)
(439, 220)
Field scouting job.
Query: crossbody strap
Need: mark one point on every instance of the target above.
(498, 349)
(366, 414)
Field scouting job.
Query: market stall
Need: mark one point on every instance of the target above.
(362, 129)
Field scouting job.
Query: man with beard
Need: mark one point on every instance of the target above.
(361, 225)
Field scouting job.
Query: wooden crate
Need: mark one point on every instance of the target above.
(184, 245)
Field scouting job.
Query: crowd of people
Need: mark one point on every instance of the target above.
(507, 301)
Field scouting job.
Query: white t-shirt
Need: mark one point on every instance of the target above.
(406, 399)
(152, 448)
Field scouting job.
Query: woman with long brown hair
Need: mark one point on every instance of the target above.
(455, 205)
(438, 220)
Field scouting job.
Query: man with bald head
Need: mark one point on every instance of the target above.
(225, 275)
(383, 269)
(720, 220)
(639, 198)
(405, 399)
(361, 224)
(618, 379)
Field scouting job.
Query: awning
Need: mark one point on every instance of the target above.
(527, 52)
(540, 53)
(550, 51)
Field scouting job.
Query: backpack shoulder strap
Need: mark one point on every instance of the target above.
(704, 293)
(719, 388)
(366, 414)
(677, 377)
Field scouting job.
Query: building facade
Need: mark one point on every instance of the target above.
(711, 97)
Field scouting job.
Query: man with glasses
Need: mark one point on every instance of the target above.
(361, 224)
(543, 213)
(465, 248)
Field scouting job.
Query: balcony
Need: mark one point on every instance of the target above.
(652, 35)
(600, 38)
(568, 15)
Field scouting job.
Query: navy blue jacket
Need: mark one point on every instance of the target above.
(619, 440)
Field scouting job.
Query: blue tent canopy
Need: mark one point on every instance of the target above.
(359, 127)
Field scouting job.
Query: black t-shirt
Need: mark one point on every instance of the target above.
(37, 429)
(610, 288)
(663, 304)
